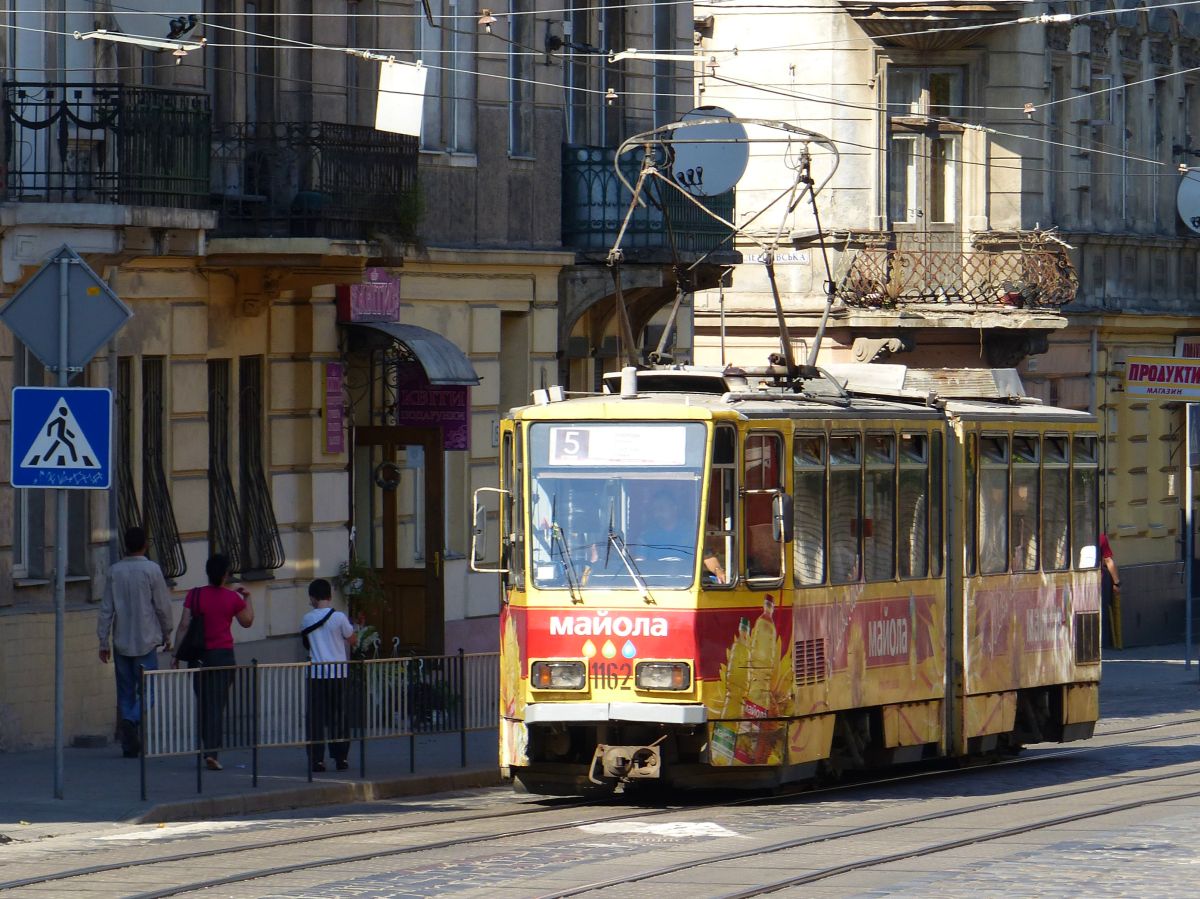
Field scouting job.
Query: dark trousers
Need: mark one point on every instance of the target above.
(327, 719)
(212, 695)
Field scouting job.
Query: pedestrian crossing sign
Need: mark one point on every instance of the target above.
(62, 437)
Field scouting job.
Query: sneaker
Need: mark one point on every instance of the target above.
(342, 764)
(318, 766)
(212, 764)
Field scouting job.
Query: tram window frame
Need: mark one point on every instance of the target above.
(720, 541)
(992, 502)
(912, 528)
(809, 508)
(879, 523)
(1056, 516)
(971, 537)
(517, 561)
(758, 510)
(1085, 534)
(849, 466)
(1024, 537)
(937, 492)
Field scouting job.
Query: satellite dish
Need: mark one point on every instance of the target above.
(710, 159)
(1187, 201)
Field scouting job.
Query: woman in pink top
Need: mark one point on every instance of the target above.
(219, 606)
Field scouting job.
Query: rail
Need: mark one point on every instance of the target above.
(253, 707)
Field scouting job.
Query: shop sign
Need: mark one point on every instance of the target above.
(422, 405)
(376, 299)
(1163, 377)
(334, 408)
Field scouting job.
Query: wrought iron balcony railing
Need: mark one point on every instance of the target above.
(314, 179)
(1020, 270)
(594, 205)
(106, 143)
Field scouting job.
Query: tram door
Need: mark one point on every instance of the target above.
(398, 528)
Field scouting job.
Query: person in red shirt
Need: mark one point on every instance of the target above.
(219, 607)
(1110, 588)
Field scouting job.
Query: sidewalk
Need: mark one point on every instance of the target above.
(101, 786)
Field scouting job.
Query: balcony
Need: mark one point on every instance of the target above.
(106, 143)
(1020, 270)
(314, 179)
(926, 24)
(595, 202)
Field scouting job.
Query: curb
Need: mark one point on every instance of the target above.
(317, 794)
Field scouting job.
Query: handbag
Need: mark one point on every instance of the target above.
(191, 647)
(312, 627)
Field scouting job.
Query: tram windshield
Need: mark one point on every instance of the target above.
(615, 504)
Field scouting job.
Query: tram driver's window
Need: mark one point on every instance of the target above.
(845, 508)
(808, 552)
(763, 479)
(719, 520)
(992, 519)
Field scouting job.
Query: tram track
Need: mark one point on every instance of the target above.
(624, 813)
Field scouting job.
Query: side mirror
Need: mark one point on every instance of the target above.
(783, 525)
(479, 519)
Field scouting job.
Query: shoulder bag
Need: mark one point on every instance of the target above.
(191, 647)
(312, 627)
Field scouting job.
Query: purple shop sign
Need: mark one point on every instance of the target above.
(422, 405)
(334, 406)
(376, 299)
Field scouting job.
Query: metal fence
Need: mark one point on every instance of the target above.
(252, 707)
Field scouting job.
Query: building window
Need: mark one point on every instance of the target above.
(128, 513)
(29, 506)
(924, 149)
(159, 520)
(665, 82)
(447, 48)
(520, 84)
(261, 546)
(223, 514)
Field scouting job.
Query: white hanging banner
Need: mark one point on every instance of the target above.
(401, 98)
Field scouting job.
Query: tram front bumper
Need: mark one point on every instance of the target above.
(602, 712)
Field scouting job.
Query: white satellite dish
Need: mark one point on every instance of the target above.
(709, 159)
(1187, 200)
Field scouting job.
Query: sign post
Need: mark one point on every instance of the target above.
(64, 291)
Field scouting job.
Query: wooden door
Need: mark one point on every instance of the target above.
(399, 523)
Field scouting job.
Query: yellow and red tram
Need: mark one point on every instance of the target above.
(709, 580)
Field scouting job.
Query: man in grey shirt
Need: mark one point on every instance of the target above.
(136, 609)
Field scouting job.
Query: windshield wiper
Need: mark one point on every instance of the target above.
(618, 542)
(573, 587)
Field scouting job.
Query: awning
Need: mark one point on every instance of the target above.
(444, 363)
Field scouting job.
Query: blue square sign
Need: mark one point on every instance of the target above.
(62, 437)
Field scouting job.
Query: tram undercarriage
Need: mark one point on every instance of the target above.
(574, 758)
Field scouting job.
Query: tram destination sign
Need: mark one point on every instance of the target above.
(1163, 377)
(620, 445)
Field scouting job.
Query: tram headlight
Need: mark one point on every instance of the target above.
(663, 676)
(558, 676)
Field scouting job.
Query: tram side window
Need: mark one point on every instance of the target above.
(993, 503)
(1085, 517)
(808, 552)
(845, 494)
(515, 554)
(912, 512)
(1026, 502)
(879, 514)
(1056, 475)
(935, 506)
(719, 525)
(763, 480)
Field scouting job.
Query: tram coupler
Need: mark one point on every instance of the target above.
(625, 763)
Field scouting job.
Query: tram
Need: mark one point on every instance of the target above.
(716, 578)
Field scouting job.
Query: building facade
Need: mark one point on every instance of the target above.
(329, 320)
(1005, 197)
